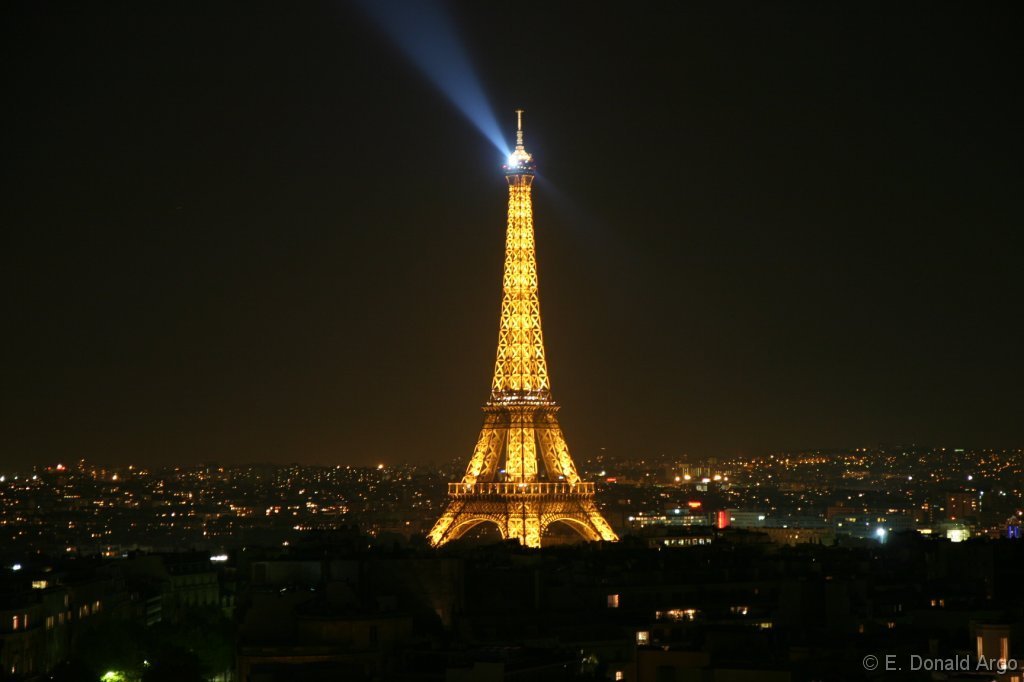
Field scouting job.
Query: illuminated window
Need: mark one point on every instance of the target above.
(1004, 648)
(676, 614)
(619, 675)
(643, 637)
(613, 601)
(49, 622)
(16, 623)
(981, 647)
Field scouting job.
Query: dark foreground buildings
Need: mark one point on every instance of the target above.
(737, 607)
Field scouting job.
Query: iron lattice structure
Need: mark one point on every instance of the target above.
(520, 418)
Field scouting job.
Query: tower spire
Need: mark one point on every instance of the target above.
(504, 483)
(520, 160)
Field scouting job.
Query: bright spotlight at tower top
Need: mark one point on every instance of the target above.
(520, 161)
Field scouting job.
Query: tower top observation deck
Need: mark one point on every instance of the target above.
(520, 162)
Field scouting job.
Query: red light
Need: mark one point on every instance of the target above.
(723, 519)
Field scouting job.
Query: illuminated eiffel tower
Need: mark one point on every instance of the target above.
(520, 418)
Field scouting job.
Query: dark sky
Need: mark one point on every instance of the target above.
(256, 232)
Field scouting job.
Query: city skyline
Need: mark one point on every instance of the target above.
(238, 254)
(88, 509)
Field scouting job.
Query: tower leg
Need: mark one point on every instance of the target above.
(524, 522)
(463, 515)
(438, 533)
(487, 453)
(554, 449)
(598, 522)
(582, 516)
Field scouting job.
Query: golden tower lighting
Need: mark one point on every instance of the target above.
(520, 418)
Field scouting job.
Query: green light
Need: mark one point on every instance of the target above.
(113, 676)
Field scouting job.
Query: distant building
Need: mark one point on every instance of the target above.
(962, 505)
(40, 619)
(308, 617)
(671, 537)
(22, 637)
(954, 531)
(170, 584)
(999, 642)
(801, 536)
(743, 518)
(872, 524)
(678, 517)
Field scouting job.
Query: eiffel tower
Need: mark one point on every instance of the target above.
(520, 418)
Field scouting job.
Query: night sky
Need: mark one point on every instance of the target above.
(257, 232)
